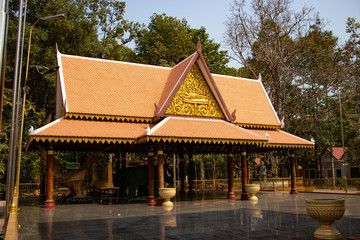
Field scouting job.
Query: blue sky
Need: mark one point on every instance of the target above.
(212, 14)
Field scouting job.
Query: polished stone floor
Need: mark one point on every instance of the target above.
(277, 215)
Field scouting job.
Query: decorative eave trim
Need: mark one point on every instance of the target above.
(295, 146)
(111, 118)
(256, 126)
(81, 140)
(200, 140)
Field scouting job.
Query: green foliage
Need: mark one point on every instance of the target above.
(167, 41)
(92, 28)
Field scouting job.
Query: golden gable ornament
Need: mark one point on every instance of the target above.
(194, 98)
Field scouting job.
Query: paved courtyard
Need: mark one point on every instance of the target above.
(277, 215)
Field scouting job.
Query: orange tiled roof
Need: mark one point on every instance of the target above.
(89, 131)
(279, 138)
(201, 130)
(111, 88)
(248, 98)
(172, 129)
(103, 87)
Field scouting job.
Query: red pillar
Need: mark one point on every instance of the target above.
(230, 160)
(160, 168)
(293, 172)
(244, 177)
(191, 174)
(182, 174)
(42, 186)
(49, 202)
(151, 196)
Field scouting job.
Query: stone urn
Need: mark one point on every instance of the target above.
(326, 211)
(252, 189)
(167, 194)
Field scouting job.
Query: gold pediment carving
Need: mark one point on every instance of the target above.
(194, 98)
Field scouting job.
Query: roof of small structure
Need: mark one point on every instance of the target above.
(337, 152)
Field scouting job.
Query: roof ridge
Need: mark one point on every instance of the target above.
(240, 78)
(114, 61)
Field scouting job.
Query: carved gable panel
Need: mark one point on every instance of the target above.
(194, 98)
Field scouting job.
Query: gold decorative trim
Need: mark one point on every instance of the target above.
(243, 154)
(299, 146)
(151, 154)
(257, 126)
(200, 140)
(194, 98)
(81, 140)
(160, 152)
(230, 155)
(110, 118)
(260, 144)
(292, 155)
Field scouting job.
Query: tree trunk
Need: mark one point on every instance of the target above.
(74, 179)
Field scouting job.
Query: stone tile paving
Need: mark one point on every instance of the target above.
(277, 215)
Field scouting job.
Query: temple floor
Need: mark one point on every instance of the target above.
(277, 215)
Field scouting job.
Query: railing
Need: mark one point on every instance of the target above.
(33, 189)
(342, 184)
(278, 184)
(211, 184)
(28, 188)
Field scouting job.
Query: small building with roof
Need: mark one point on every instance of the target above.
(341, 164)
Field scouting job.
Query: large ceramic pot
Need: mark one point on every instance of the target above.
(326, 211)
(167, 194)
(252, 189)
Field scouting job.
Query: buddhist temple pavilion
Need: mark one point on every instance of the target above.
(118, 107)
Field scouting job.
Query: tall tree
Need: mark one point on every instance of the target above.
(167, 41)
(351, 85)
(268, 35)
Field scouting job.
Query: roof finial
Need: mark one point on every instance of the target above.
(148, 131)
(198, 46)
(267, 136)
(282, 123)
(260, 78)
